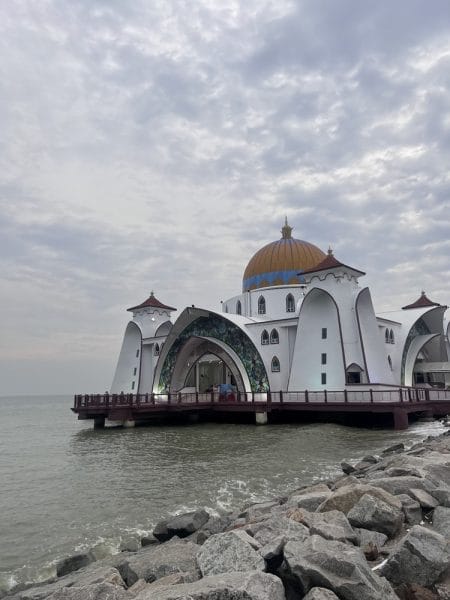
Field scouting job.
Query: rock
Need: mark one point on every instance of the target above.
(442, 495)
(362, 465)
(366, 536)
(73, 563)
(415, 592)
(278, 526)
(252, 585)
(394, 448)
(160, 560)
(137, 587)
(411, 509)
(180, 525)
(346, 497)
(339, 567)
(441, 521)
(421, 557)
(347, 468)
(370, 551)
(372, 513)
(403, 485)
(318, 593)
(402, 472)
(228, 552)
(344, 481)
(256, 511)
(423, 498)
(332, 525)
(370, 459)
(272, 552)
(130, 545)
(309, 501)
(97, 591)
(148, 540)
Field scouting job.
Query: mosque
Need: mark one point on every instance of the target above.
(301, 322)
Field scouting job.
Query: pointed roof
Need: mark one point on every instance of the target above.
(153, 303)
(329, 262)
(421, 302)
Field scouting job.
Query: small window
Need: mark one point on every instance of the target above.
(264, 337)
(275, 365)
(157, 350)
(137, 353)
(391, 336)
(261, 305)
(324, 358)
(226, 308)
(238, 308)
(386, 336)
(323, 378)
(290, 303)
(132, 385)
(390, 362)
(274, 338)
(135, 371)
(324, 333)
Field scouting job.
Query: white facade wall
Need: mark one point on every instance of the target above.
(275, 298)
(127, 373)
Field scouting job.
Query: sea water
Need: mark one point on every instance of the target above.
(65, 487)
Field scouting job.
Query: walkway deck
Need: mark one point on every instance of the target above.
(135, 408)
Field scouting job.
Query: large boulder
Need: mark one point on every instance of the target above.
(96, 591)
(253, 585)
(441, 521)
(73, 563)
(278, 526)
(372, 513)
(229, 552)
(346, 497)
(411, 509)
(154, 562)
(442, 495)
(403, 485)
(366, 537)
(331, 525)
(319, 593)
(421, 557)
(180, 525)
(255, 512)
(336, 566)
(310, 501)
(425, 499)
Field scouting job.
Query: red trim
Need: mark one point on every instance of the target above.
(152, 302)
(421, 302)
(329, 262)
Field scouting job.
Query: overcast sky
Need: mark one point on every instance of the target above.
(157, 144)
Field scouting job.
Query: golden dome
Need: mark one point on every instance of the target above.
(279, 263)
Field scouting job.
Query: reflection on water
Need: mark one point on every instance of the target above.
(68, 486)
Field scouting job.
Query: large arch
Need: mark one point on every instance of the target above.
(228, 339)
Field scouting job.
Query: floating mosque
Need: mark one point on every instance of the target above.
(302, 321)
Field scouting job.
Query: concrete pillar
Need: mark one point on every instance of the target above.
(261, 418)
(129, 423)
(400, 419)
(99, 422)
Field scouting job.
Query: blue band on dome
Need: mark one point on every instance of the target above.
(269, 279)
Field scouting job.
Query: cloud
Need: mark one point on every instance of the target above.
(159, 145)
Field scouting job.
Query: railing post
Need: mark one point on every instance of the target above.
(306, 397)
(168, 398)
(345, 396)
(269, 400)
(371, 395)
(152, 398)
(196, 396)
(409, 395)
(427, 395)
(325, 395)
(281, 397)
(400, 394)
(212, 397)
(253, 397)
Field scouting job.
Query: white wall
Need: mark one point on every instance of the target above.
(129, 360)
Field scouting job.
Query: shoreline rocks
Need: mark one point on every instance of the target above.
(381, 531)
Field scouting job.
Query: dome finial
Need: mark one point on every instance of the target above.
(286, 230)
(330, 251)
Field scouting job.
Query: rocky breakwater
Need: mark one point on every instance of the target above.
(381, 531)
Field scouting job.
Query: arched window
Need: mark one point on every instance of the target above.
(264, 337)
(390, 362)
(290, 303)
(261, 305)
(275, 365)
(238, 308)
(274, 338)
(226, 308)
(386, 336)
(157, 349)
(391, 337)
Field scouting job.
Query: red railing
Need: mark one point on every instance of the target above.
(348, 396)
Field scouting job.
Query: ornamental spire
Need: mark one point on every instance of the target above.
(286, 230)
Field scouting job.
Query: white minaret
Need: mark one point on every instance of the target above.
(143, 338)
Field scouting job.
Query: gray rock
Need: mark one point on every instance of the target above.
(331, 525)
(336, 566)
(394, 448)
(278, 526)
(148, 540)
(421, 557)
(130, 545)
(256, 511)
(402, 472)
(441, 521)
(160, 560)
(346, 497)
(252, 585)
(309, 501)
(370, 459)
(411, 509)
(97, 591)
(442, 495)
(226, 553)
(403, 485)
(273, 550)
(425, 499)
(318, 593)
(73, 563)
(347, 468)
(366, 536)
(344, 481)
(180, 525)
(372, 513)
